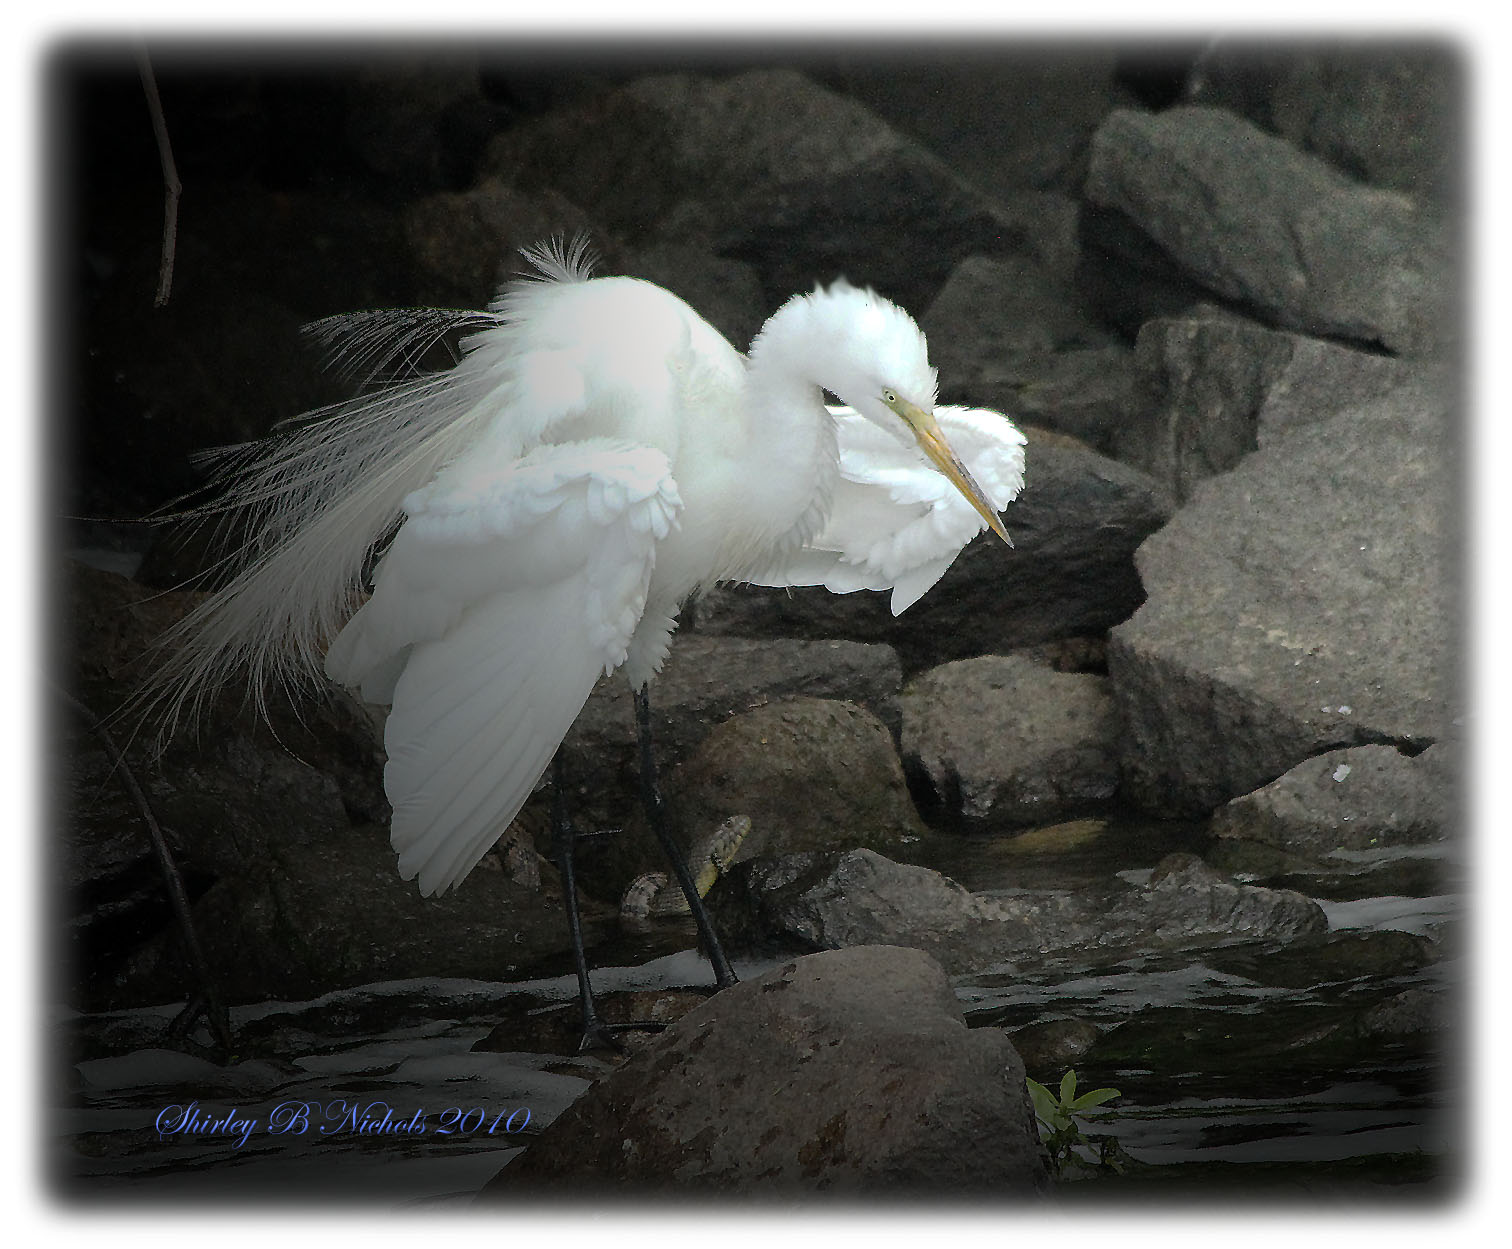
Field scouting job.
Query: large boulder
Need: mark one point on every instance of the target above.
(1258, 222)
(1303, 602)
(845, 1072)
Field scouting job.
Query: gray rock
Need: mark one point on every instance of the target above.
(1390, 114)
(1004, 740)
(809, 773)
(1070, 574)
(1214, 387)
(832, 901)
(705, 681)
(1004, 119)
(846, 1072)
(770, 167)
(1411, 1011)
(1054, 1045)
(1010, 334)
(1357, 798)
(1297, 604)
(1275, 229)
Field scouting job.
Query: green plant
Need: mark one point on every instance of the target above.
(1061, 1135)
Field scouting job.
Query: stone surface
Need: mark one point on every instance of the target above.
(1213, 387)
(1302, 602)
(845, 1072)
(832, 901)
(1357, 798)
(1388, 113)
(1277, 230)
(1004, 740)
(766, 166)
(1010, 333)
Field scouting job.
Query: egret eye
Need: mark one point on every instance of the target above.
(889, 396)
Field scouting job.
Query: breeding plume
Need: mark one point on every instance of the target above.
(597, 455)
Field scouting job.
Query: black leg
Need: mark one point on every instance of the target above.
(563, 835)
(656, 812)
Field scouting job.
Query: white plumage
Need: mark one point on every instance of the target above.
(598, 454)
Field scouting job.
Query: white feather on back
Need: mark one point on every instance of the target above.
(896, 522)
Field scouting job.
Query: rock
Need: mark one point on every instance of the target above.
(1214, 387)
(809, 774)
(832, 901)
(1409, 1012)
(1279, 231)
(1296, 605)
(765, 166)
(1003, 740)
(1187, 899)
(706, 680)
(1004, 119)
(1054, 1045)
(1344, 956)
(1357, 798)
(1070, 574)
(1387, 113)
(1009, 334)
(844, 1072)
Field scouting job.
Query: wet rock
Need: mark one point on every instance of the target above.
(1409, 1012)
(765, 166)
(1186, 899)
(1296, 605)
(1008, 334)
(1343, 956)
(831, 901)
(844, 1072)
(1214, 387)
(1070, 574)
(1279, 231)
(1054, 1045)
(1005, 740)
(1384, 112)
(1357, 798)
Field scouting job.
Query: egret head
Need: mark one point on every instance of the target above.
(870, 353)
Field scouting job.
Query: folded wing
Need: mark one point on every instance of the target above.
(504, 595)
(896, 522)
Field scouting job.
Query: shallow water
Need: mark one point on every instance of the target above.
(1215, 1063)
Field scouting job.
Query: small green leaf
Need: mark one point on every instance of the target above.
(1068, 1087)
(1095, 1098)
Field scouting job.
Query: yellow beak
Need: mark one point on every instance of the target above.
(932, 441)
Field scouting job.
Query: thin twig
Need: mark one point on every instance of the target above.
(171, 184)
(215, 1014)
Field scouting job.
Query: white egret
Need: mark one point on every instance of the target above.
(598, 453)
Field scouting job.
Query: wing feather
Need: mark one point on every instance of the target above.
(502, 598)
(896, 523)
